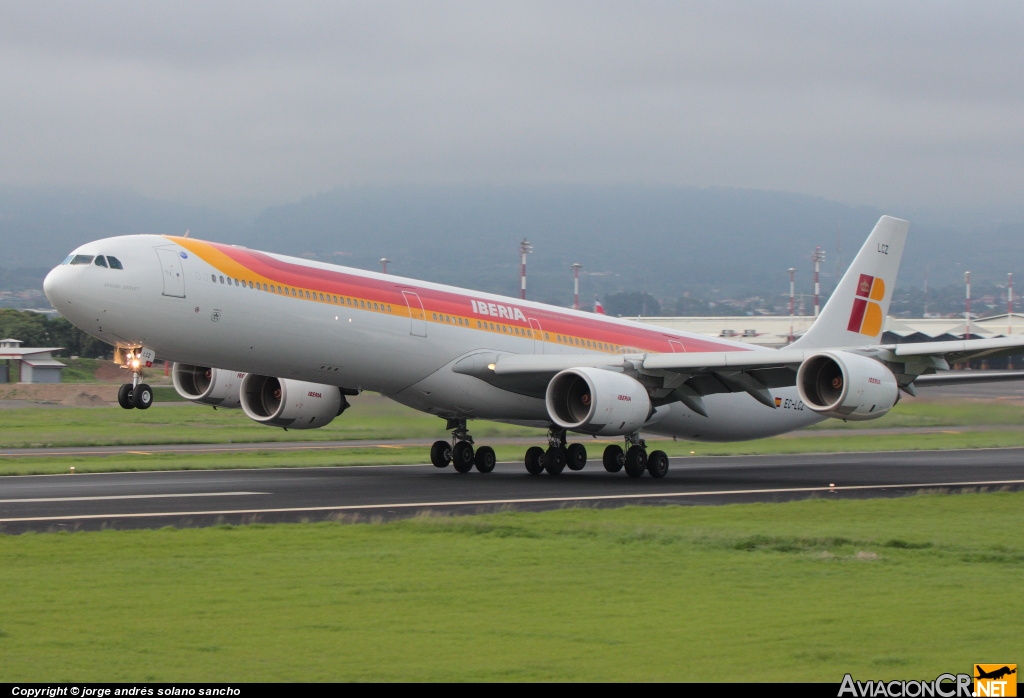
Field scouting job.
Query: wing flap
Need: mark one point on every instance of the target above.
(740, 360)
(961, 349)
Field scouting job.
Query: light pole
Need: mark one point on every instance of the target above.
(576, 285)
(1009, 303)
(525, 248)
(384, 264)
(818, 257)
(1009, 314)
(967, 309)
(792, 300)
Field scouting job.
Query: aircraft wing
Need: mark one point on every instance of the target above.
(961, 350)
(669, 378)
(687, 377)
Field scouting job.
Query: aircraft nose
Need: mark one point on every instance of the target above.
(55, 287)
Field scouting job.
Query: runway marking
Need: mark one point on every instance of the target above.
(127, 496)
(530, 500)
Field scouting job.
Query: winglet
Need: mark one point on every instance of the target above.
(855, 313)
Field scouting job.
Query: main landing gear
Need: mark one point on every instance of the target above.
(635, 459)
(556, 458)
(460, 452)
(137, 395)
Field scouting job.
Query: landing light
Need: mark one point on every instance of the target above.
(490, 367)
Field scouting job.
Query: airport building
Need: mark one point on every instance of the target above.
(33, 364)
(778, 331)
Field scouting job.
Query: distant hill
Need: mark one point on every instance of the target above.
(40, 225)
(663, 240)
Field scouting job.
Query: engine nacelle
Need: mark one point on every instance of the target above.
(596, 401)
(281, 402)
(846, 386)
(207, 386)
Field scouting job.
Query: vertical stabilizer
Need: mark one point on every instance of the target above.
(855, 313)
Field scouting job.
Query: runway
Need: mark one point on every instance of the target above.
(202, 498)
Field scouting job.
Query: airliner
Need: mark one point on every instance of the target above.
(287, 340)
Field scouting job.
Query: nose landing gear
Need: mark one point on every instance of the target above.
(134, 395)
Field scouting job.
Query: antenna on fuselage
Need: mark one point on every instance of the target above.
(186, 232)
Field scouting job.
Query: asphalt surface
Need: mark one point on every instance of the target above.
(202, 498)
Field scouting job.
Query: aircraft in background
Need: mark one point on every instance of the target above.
(287, 340)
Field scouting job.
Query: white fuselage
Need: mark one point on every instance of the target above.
(229, 307)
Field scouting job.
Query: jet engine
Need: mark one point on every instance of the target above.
(207, 386)
(282, 402)
(597, 401)
(846, 386)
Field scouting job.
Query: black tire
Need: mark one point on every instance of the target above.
(613, 458)
(576, 457)
(124, 396)
(554, 460)
(535, 460)
(441, 454)
(462, 456)
(636, 461)
(485, 459)
(657, 464)
(142, 397)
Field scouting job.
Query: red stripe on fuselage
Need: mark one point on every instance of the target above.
(458, 304)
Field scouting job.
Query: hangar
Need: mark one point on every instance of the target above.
(35, 364)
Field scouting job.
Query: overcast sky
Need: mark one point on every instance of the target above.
(885, 104)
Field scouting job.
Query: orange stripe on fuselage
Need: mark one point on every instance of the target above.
(442, 307)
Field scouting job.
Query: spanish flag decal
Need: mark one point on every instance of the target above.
(866, 316)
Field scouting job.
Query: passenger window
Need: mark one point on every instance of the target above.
(82, 259)
(222, 279)
(101, 261)
(115, 263)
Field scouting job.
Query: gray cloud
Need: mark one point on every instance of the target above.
(888, 104)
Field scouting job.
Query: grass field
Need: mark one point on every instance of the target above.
(804, 591)
(370, 417)
(970, 425)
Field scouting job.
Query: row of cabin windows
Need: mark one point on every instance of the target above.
(600, 346)
(439, 317)
(299, 293)
(523, 332)
(99, 260)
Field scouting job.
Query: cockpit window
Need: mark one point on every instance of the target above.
(115, 263)
(82, 259)
(67, 260)
(101, 261)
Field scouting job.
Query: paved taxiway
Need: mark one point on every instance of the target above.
(197, 498)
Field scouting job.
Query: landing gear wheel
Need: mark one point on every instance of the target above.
(554, 460)
(576, 457)
(485, 459)
(441, 454)
(657, 464)
(124, 396)
(613, 458)
(535, 460)
(142, 396)
(462, 456)
(636, 461)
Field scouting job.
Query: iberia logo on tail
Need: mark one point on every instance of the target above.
(866, 316)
